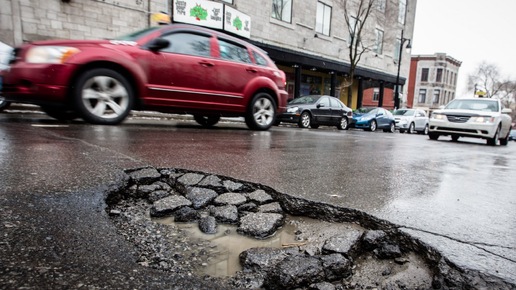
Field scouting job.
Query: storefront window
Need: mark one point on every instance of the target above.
(310, 85)
(327, 86)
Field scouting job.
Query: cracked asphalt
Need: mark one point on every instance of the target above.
(457, 197)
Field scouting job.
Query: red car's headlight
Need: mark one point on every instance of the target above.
(50, 54)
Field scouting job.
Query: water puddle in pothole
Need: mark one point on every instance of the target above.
(228, 244)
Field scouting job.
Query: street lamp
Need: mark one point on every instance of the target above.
(396, 89)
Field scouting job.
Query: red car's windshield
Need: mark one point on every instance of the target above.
(134, 36)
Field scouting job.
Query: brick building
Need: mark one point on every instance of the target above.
(309, 39)
(433, 80)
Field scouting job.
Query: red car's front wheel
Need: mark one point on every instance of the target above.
(103, 96)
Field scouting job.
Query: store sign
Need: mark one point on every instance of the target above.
(160, 18)
(237, 22)
(199, 12)
(212, 14)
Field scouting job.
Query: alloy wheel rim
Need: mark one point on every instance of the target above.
(263, 112)
(305, 120)
(105, 97)
(343, 123)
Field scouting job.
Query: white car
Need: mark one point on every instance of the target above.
(411, 120)
(472, 117)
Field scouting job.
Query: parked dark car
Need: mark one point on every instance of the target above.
(314, 110)
(174, 68)
(371, 119)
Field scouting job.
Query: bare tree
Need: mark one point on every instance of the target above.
(356, 14)
(486, 78)
(507, 92)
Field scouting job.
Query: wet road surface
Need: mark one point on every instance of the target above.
(456, 196)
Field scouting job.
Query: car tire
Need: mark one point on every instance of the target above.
(455, 138)
(261, 112)
(4, 104)
(314, 126)
(392, 128)
(60, 113)
(411, 128)
(494, 141)
(372, 126)
(425, 131)
(343, 124)
(433, 136)
(103, 96)
(505, 141)
(305, 120)
(207, 121)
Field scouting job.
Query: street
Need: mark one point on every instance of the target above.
(457, 197)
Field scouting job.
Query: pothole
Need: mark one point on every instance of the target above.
(251, 236)
(226, 245)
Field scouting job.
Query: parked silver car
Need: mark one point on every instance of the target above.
(411, 121)
(472, 117)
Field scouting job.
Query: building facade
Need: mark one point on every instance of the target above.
(309, 39)
(432, 81)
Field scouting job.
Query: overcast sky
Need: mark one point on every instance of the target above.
(470, 31)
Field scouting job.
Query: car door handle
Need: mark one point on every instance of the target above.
(206, 63)
(250, 69)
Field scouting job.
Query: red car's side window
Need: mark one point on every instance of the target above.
(234, 52)
(260, 60)
(188, 43)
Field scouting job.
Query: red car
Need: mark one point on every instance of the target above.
(176, 68)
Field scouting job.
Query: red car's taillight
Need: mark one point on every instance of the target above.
(281, 75)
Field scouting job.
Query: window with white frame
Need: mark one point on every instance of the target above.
(282, 10)
(379, 41)
(380, 5)
(424, 74)
(353, 21)
(402, 10)
(437, 94)
(376, 94)
(422, 96)
(323, 18)
(439, 75)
